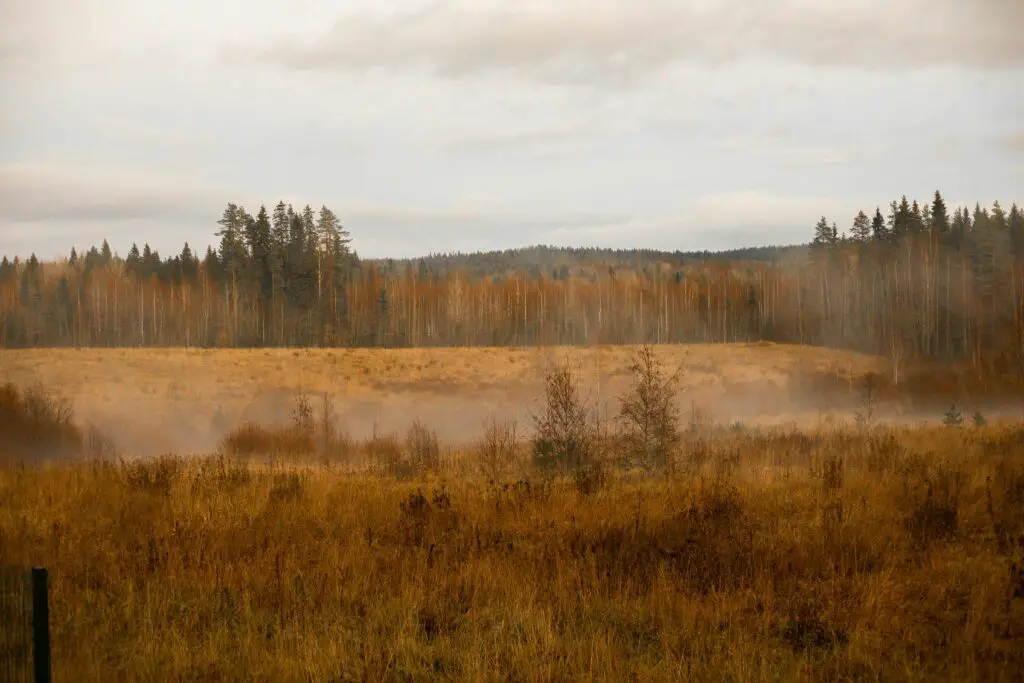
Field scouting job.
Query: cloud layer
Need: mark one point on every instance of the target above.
(432, 126)
(603, 41)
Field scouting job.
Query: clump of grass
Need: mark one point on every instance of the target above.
(253, 440)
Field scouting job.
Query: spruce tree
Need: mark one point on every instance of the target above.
(146, 266)
(879, 232)
(1016, 226)
(861, 230)
(939, 215)
(133, 262)
(824, 234)
(189, 264)
(901, 219)
(231, 253)
(916, 220)
(258, 241)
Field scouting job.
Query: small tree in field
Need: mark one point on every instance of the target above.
(564, 438)
(497, 449)
(649, 415)
(954, 417)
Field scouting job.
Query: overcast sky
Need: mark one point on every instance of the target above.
(436, 126)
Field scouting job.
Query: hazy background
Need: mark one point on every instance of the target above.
(432, 126)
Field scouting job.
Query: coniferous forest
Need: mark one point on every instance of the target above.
(909, 281)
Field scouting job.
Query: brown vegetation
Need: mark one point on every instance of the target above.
(298, 553)
(180, 400)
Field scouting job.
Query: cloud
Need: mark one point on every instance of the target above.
(611, 41)
(537, 141)
(777, 144)
(1014, 142)
(57, 192)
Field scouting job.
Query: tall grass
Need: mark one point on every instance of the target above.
(846, 554)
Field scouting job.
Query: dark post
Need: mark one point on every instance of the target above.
(40, 625)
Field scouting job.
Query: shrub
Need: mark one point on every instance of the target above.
(497, 449)
(423, 448)
(564, 438)
(36, 426)
(648, 414)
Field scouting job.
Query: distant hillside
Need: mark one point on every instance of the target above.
(546, 258)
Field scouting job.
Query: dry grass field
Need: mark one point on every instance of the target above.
(177, 400)
(825, 551)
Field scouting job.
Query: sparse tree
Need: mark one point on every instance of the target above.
(648, 414)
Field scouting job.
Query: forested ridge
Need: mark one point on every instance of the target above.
(920, 281)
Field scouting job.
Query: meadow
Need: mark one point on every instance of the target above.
(555, 549)
(185, 400)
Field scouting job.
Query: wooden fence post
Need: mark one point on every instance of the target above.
(41, 625)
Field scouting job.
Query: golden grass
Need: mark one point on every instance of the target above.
(783, 556)
(163, 400)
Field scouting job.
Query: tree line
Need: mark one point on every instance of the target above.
(920, 281)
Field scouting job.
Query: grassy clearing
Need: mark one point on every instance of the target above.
(881, 555)
(652, 547)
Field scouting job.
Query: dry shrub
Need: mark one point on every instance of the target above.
(423, 448)
(936, 512)
(884, 452)
(36, 426)
(498, 449)
(250, 440)
(387, 456)
(425, 521)
(648, 414)
(225, 473)
(286, 487)
(226, 565)
(155, 476)
(564, 438)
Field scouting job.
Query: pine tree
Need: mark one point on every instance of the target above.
(258, 241)
(939, 215)
(231, 253)
(133, 262)
(878, 230)
(958, 229)
(146, 266)
(824, 234)
(106, 254)
(7, 272)
(31, 290)
(899, 219)
(861, 230)
(189, 264)
(916, 220)
(212, 265)
(1016, 227)
(301, 268)
(279, 239)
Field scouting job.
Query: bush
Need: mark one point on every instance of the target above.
(423, 448)
(497, 449)
(36, 426)
(564, 438)
(648, 414)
